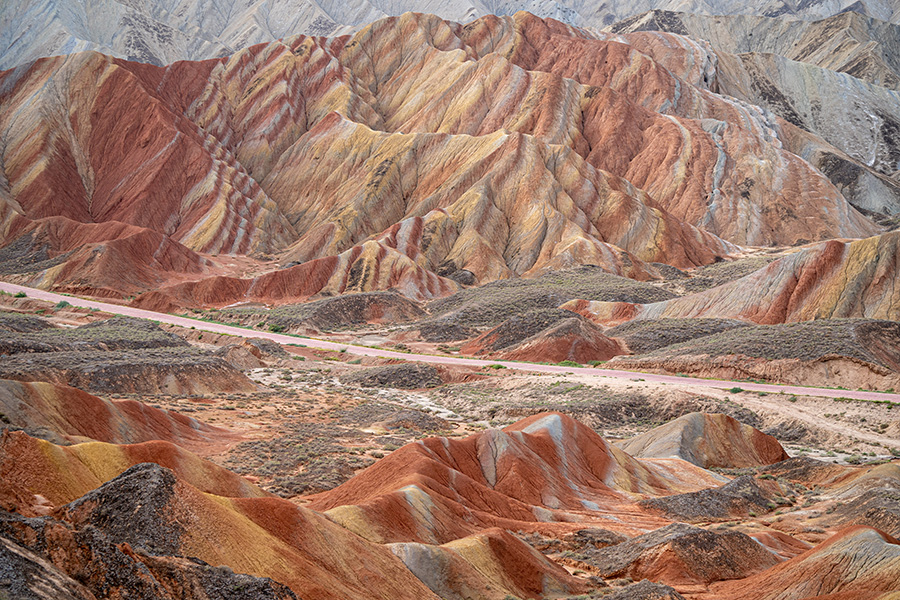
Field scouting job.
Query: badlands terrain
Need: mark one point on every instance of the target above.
(484, 301)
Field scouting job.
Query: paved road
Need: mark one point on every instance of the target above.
(442, 360)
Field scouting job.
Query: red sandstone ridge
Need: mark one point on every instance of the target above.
(858, 563)
(707, 440)
(833, 279)
(545, 336)
(71, 414)
(42, 475)
(536, 474)
(395, 158)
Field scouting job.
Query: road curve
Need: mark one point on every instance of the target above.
(441, 360)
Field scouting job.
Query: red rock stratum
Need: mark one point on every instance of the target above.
(396, 158)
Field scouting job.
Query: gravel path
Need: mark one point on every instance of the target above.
(442, 360)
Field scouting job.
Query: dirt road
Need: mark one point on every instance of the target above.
(442, 360)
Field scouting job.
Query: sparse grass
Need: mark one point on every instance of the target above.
(491, 304)
(327, 314)
(648, 335)
(118, 333)
(809, 340)
(569, 363)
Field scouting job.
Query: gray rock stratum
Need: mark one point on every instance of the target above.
(163, 31)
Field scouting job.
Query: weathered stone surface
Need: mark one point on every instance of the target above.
(417, 154)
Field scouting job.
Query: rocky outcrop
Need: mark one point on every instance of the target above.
(28, 576)
(683, 554)
(809, 284)
(707, 440)
(374, 171)
(857, 562)
(735, 499)
(534, 475)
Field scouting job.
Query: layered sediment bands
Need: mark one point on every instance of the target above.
(857, 562)
(834, 279)
(506, 147)
(493, 564)
(47, 475)
(64, 413)
(370, 266)
(707, 440)
(804, 73)
(150, 510)
(86, 139)
(498, 204)
(537, 474)
(848, 42)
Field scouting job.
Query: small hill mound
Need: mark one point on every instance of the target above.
(493, 565)
(329, 314)
(682, 554)
(515, 330)
(152, 371)
(117, 333)
(857, 562)
(736, 498)
(407, 376)
(550, 335)
(829, 352)
(707, 440)
(64, 414)
(491, 304)
(878, 508)
(574, 339)
(540, 469)
(867, 340)
(648, 335)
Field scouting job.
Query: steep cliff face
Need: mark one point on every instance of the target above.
(415, 149)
